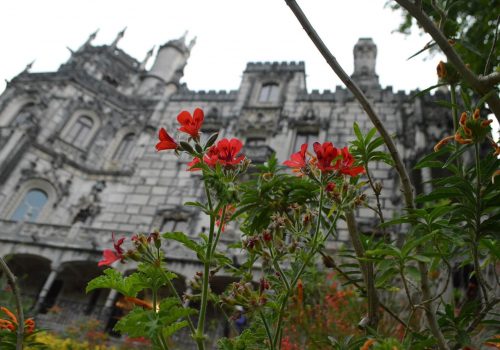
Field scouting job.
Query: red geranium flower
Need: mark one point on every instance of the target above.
(166, 141)
(345, 165)
(325, 153)
(191, 124)
(297, 160)
(109, 256)
(227, 152)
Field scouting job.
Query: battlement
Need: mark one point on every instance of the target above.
(292, 66)
(202, 95)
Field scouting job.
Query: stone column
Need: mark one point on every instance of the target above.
(106, 311)
(46, 287)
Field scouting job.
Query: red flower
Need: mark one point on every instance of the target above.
(166, 141)
(109, 256)
(330, 187)
(227, 152)
(297, 160)
(345, 165)
(325, 153)
(191, 124)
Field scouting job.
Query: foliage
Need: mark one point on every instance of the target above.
(471, 24)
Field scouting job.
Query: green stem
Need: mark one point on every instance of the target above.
(206, 272)
(219, 230)
(174, 291)
(280, 270)
(268, 330)
(454, 112)
(312, 252)
(475, 251)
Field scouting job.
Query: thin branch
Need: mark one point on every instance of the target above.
(398, 163)
(17, 296)
(492, 51)
(469, 77)
(366, 268)
(482, 314)
(360, 96)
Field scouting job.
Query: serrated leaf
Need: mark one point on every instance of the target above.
(112, 279)
(186, 242)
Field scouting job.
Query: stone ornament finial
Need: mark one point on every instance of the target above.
(119, 36)
(149, 54)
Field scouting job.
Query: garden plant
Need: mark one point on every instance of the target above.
(389, 289)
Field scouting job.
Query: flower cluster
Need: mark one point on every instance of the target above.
(10, 323)
(472, 129)
(142, 249)
(328, 159)
(225, 152)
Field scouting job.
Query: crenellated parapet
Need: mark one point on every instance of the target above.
(206, 96)
(292, 66)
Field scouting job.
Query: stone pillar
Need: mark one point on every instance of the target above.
(426, 178)
(106, 311)
(46, 287)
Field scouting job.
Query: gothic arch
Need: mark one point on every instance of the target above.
(118, 139)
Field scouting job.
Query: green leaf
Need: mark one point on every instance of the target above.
(113, 279)
(413, 272)
(413, 243)
(186, 242)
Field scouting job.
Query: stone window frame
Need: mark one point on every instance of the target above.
(117, 141)
(96, 124)
(268, 100)
(33, 184)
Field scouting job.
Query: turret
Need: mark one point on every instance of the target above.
(168, 66)
(365, 57)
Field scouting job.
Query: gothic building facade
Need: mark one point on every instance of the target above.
(77, 158)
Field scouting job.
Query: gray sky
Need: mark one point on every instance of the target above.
(229, 33)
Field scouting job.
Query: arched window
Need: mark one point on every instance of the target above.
(79, 131)
(269, 93)
(125, 147)
(31, 205)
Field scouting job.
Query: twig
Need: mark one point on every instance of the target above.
(482, 314)
(17, 296)
(362, 290)
(481, 86)
(492, 50)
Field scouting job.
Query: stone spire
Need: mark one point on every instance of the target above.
(146, 59)
(119, 36)
(91, 37)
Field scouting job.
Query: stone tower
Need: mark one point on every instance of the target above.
(365, 58)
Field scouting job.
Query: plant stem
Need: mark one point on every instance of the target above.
(268, 330)
(454, 112)
(17, 296)
(366, 269)
(174, 291)
(475, 251)
(206, 272)
(312, 252)
(219, 230)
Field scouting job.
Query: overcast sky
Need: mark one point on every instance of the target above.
(229, 33)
